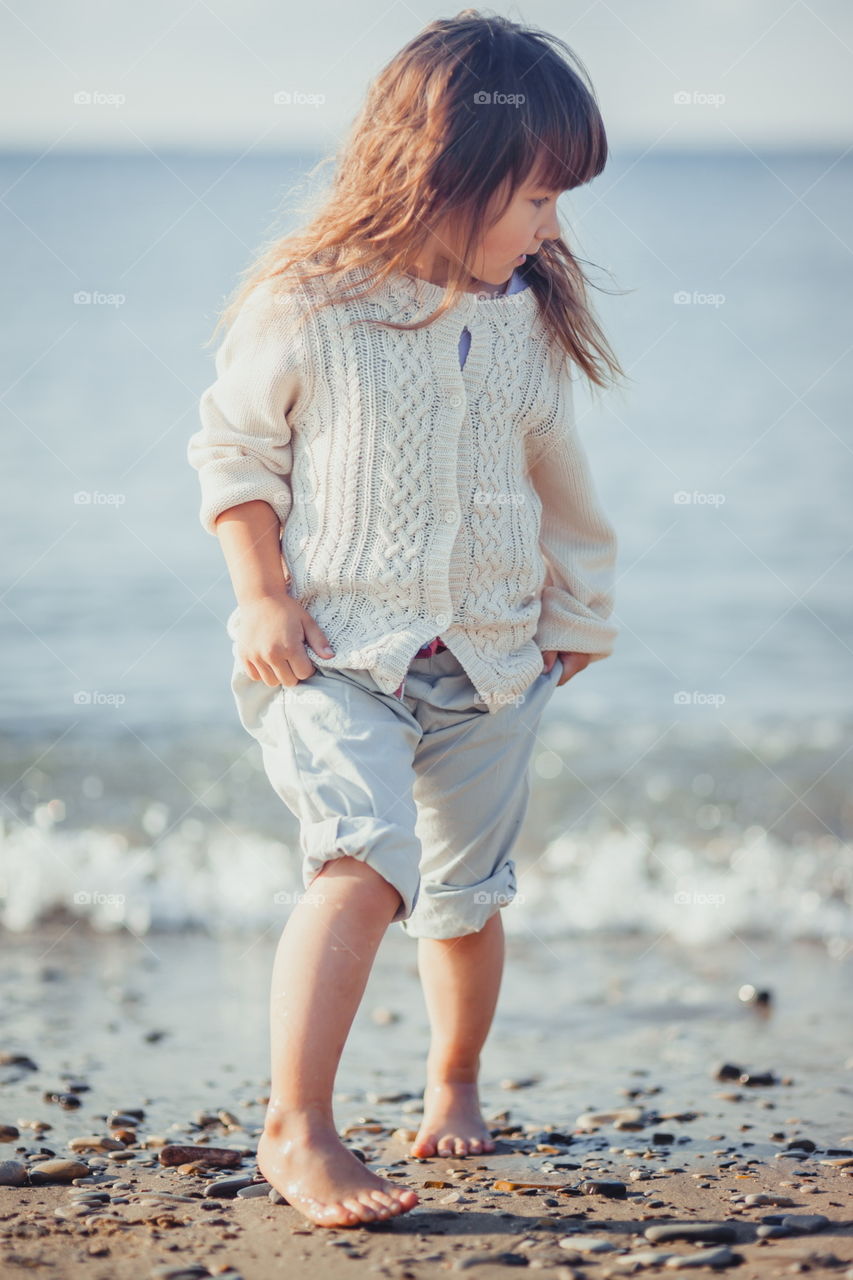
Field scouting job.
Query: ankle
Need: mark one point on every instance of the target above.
(297, 1118)
(440, 1072)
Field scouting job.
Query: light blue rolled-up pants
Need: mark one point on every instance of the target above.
(429, 788)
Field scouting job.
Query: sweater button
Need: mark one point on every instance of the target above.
(449, 515)
(455, 401)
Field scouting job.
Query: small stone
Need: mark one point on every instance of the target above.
(717, 1232)
(765, 1197)
(187, 1271)
(384, 1017)
(612, 1189)
(758, 1079)
(256, 1189)
(276, 1197)
(57, 1171)
(645, 1258)
(17, 1060)
(95, 1142)
(621, 1117)
(726, 1071)
(804, 1222)
(774, 1232)
(68, 1101)
(12, 1173)
(587, 1244)
(8, 1133)
(663, 1139)
(705, 1258)
(505, 1259)
(173, 1154)
(227, 1188)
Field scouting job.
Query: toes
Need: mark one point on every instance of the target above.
(476, 1146)
(337, 1215)
(362, 1210)
(381, 1202)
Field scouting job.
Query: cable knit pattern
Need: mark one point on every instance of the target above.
(416, 497)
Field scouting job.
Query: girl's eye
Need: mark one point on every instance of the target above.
(539, 203)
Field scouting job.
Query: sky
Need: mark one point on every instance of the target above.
(252, 74)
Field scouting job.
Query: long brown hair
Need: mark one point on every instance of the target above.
(458, 120)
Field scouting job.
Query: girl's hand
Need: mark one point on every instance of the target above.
(273, 634)
(572, 663)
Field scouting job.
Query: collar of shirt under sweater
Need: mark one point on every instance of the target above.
(416, 497)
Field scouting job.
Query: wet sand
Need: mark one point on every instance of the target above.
(705, 1100)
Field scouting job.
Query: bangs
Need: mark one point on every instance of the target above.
(566, 148)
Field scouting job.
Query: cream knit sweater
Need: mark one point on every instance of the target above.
(416, 498)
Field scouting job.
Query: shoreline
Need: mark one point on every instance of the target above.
(173, 1026)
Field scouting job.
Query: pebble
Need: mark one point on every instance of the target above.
(227, 1188)
(705, 1258)
(587, 1244)
(95, 1142)
(252, 1192)
(505, 1259)
(57, 1171)
(187, 1271)
(764, 1197)
(12, 1173)
(173, 1154)
(8, 1133)
(805, 1222)
(645, 1258)
(600, 1187)
(714, 1231)
(622, 1116)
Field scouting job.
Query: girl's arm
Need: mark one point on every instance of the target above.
(243, 450)
(249, 536)
(577, 541)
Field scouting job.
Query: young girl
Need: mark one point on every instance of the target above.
(390, 461)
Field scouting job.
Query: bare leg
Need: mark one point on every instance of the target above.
(461, 979)
(321, 969)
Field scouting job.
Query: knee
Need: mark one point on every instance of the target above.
(354, 872)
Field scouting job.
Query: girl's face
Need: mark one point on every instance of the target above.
(529, 219)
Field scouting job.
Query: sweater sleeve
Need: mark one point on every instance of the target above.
(243, 449)
(576, 539)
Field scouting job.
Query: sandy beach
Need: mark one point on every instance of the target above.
(630, 1087)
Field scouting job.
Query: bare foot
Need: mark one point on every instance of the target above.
(453, 1124)
(304, 1159)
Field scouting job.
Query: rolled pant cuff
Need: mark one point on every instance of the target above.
(381, 845)
(451, 911)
